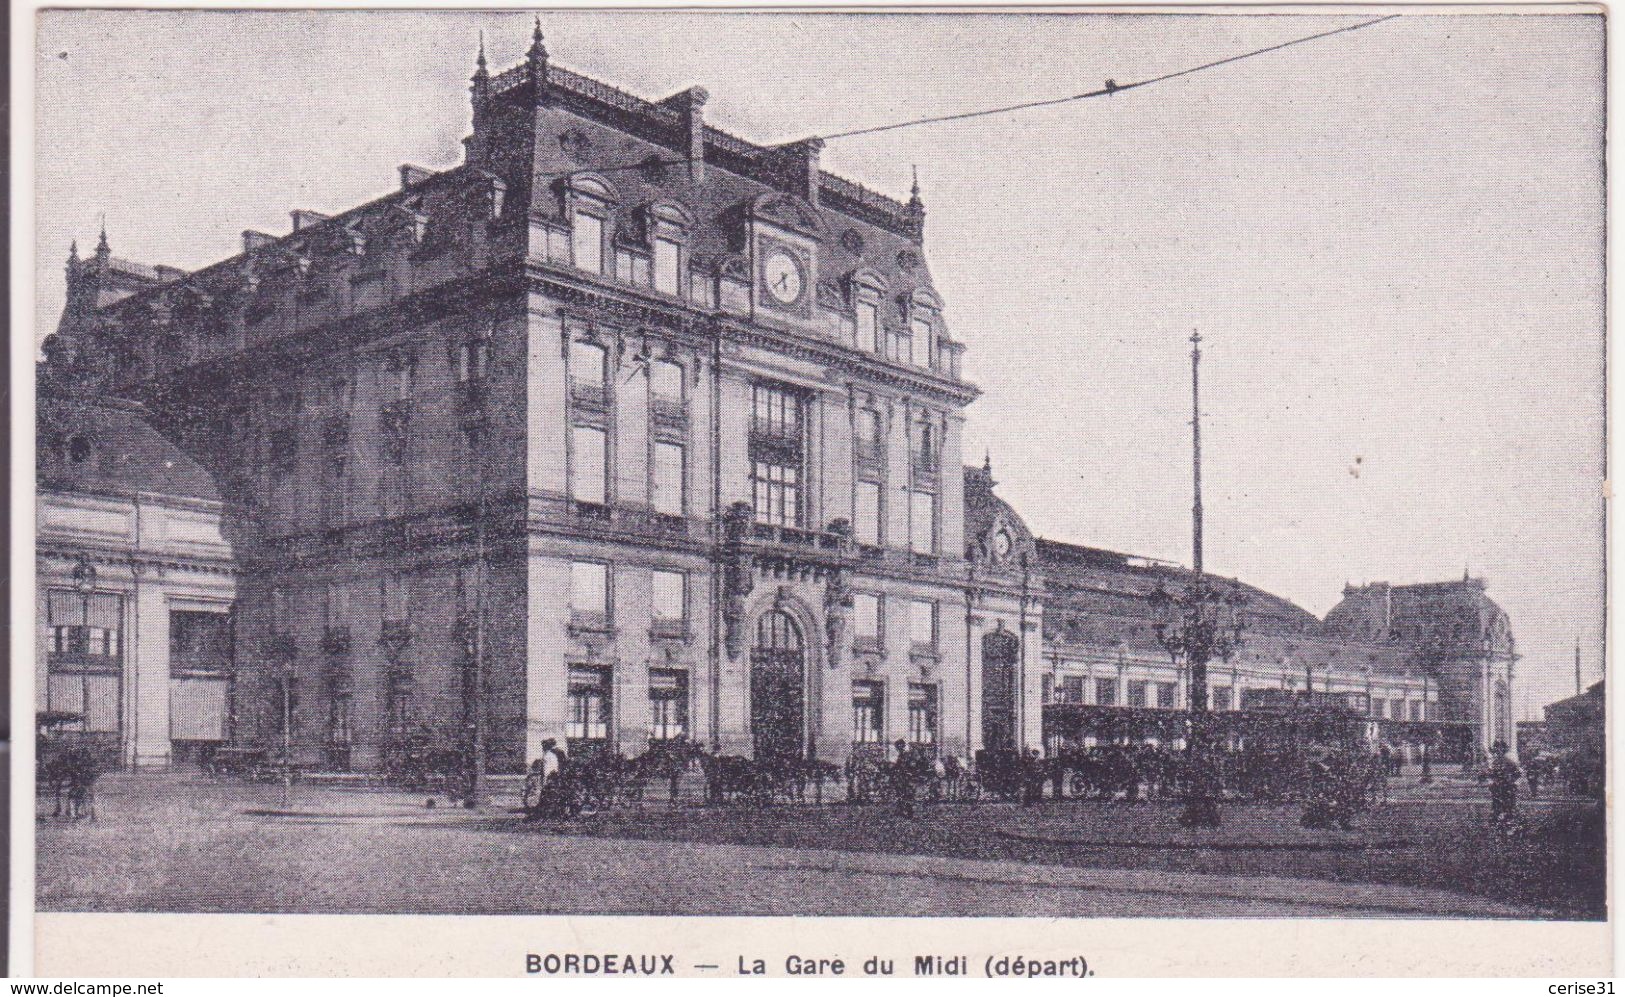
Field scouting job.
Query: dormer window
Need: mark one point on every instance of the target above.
(924, 308)
(920, 342)
(868, 326)
(667, 268)
(587, 242)
(589, 199)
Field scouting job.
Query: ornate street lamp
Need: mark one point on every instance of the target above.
(1200, 622)
(1196, 625)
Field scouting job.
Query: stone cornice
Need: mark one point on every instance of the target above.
(48, 549)
(633, 306)
(277, 355)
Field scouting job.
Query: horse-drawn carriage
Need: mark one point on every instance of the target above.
(67, 763)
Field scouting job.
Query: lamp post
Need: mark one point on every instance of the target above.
(1198, 623)
(287, 733)
(1427, 735)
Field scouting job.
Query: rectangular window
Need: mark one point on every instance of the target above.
(587, 242)
(1105, 692)
(670, 596)
(589, 588)
(776, 494)
(867, 429)
(925, 444)
(86, 625)
(868, 713)
(777, 451)
(395, 428)
(868, 326)
(1416, 709)
(589, 368)
(668, 479)
(666, 380)
(473, 360)
(1165, 695)
(866, 616)
(922, 522)
(922, 623)
(867, 513)
(1136, 693)
(922, 715)
(392, 597)
(589, 705)
(666, 266)
(1071, 689)
(588, 480)
(1221, 698)
(668, 704)
(776, 413)
(199, 642)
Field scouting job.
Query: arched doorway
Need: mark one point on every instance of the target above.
(1000, 651)
(778, 688)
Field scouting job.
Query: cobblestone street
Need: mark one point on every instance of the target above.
(180, 842)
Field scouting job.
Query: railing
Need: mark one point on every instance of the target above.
(508, 79)
(793, 536)
(859, 193)
(585, 86)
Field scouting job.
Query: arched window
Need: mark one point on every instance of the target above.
(777, 631)
(78, 450)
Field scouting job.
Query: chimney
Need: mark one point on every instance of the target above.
(253, 240)
(303, 219)
(802, 167)
(690, 104)
(413, 175)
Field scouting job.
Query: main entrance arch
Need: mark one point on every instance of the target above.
(778, 663)
(1000, 650)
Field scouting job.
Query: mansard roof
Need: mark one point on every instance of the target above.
(120, 454)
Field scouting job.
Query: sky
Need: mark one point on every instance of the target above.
(1390, 240)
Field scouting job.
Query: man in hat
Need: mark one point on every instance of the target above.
(1504, 776)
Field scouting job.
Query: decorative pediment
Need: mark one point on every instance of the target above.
(593, 185)
(867, 278)
(667, 212)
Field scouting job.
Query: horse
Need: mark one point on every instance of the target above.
(731, 777)
(666, 760)
(71, 771)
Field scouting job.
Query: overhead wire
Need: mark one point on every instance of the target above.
(1111, 87)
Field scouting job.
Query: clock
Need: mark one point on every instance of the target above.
(781, 272)
(1001, 545)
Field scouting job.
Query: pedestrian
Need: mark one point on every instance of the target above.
(531, 799)
(902, 779)
(1032, 777)
(552, 762)
(1534, 773)
(1504, 776)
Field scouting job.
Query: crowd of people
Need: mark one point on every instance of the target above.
(1334, 785)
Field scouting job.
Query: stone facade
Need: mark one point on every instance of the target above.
(621, 429)
(134, 586)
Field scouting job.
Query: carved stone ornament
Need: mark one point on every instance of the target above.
(853, 241)
(576, 144)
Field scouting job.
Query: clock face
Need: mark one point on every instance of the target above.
(782, 273)
(1001, 545)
